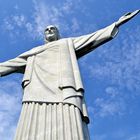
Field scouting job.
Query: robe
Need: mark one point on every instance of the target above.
(52, 75)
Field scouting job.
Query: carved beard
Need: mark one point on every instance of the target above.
(51, 37)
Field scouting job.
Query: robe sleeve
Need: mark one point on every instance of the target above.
(17, 64)
(87, 43)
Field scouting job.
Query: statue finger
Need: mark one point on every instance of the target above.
(135, 12)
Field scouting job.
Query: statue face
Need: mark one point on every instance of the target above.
(51, 33)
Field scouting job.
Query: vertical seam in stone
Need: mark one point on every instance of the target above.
(67, 122)
(54, 123)
(34, 123)
(73, 123)
(50, 122)
(45, 121)
(23, 137)
(36, 126)
(79, 124)
(62, 113)
(20, 123)
(28, 131)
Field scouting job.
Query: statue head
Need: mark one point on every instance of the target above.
(51, 33)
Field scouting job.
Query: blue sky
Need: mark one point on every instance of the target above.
(111, 73)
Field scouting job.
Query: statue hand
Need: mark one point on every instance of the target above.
(126, 17)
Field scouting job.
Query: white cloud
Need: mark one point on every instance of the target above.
(19, 20)
(67, 6)
(99, 137)
(55, 14)
(134, 137)
(62, 15)
(112, 91)
(109, 107)
(118, 63)
(10, 106)
(75, 25)
(17, 25)
(121, 134)
(7, 25)
(16, 7)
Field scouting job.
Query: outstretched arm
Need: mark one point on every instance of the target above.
(14, 65)
(18, 64)
(125, 18)
(87, 43)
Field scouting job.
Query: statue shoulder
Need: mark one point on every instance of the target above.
(33, 51)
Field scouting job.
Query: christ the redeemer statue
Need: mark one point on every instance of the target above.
(53, 99)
